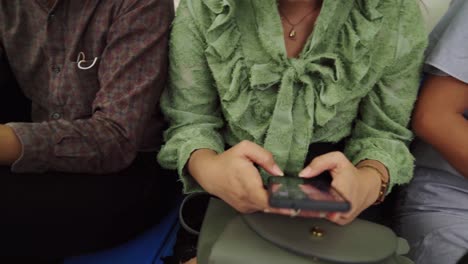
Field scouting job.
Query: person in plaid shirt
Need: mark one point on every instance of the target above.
(80, 173)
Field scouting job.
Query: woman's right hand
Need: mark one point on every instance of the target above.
(232, 175)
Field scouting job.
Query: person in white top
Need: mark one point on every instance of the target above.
(433, 214)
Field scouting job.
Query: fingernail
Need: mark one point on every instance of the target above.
(277, 170)
(266, 210)
(332, 216)
(305, 172)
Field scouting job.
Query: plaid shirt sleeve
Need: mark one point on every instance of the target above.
(131, 73)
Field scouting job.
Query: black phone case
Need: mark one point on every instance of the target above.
(306, 204)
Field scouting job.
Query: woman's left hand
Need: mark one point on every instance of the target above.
(359, 186)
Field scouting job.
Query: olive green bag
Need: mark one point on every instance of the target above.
(228, 237)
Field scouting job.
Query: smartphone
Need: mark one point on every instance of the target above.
(311, 194)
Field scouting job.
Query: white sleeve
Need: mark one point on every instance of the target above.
(448, 51)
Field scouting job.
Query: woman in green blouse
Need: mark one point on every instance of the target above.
(255, 83)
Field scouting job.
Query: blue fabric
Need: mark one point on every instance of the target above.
(433, 216)
(148, 248)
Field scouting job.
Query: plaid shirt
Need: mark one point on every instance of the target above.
(93, 120)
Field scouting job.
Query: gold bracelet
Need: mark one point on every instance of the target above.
(383, 183)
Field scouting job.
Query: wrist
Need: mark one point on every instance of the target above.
(199, 163)
(373, 182)
(382, 172)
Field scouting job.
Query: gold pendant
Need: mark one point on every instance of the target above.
(292, 34)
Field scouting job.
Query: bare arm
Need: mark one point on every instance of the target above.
(438, 119)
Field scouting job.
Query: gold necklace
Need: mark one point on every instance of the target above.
(292, 33)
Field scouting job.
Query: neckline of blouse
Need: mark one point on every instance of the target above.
(268, 23)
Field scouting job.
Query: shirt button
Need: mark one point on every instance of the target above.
(56, 69)
(51, 16)
(56, 116)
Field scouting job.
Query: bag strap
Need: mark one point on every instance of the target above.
(192, 211)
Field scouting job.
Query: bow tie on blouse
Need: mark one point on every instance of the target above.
(285, 137)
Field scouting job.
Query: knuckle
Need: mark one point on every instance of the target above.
(338, 155)
(318, 159)
(244, 170)
(242, 196)
(335, 184)
(267, 158)
(244, 144)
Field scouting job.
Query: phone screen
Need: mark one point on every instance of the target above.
(314, 194)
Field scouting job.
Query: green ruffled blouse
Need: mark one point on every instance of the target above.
(356, 78)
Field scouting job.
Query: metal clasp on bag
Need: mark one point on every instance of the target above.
(316, 232)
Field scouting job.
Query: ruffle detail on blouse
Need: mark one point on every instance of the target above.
(327, 78)
(355, 39)
(222, 36)
(360, 29)
(339, 73)
(223, 40)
